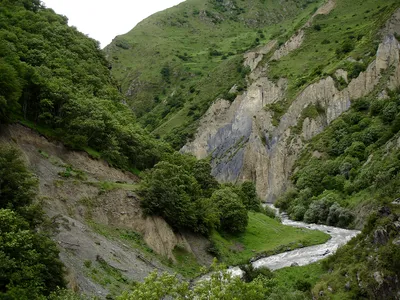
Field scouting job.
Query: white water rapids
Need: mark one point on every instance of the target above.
(306, 255)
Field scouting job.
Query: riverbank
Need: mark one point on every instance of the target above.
(306, 255)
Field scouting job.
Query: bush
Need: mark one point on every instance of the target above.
(356, 150)
(169, 191)
(339, 216)
(389, 112)
(269, 212)
(319, 210)
(249, 195)
(234, 217)
(302, 285)
(298, 212)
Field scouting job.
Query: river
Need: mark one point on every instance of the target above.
(306, 255)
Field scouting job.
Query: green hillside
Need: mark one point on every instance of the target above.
(357, 166)
(57, 80)
(175, 63)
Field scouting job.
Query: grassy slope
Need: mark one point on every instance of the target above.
(190, 30)
(263, 235)
(289, 278)
(355, 23)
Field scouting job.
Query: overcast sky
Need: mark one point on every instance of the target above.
(105, 19)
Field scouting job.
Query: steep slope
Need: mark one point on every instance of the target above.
(102, 233)
(57, 80)
(368, 267)
(261, 133)
(172, 65)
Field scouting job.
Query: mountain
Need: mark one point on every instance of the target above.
(172, 65)
(291, 102)
(314, 125)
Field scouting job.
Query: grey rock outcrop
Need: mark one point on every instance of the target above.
(245, 144)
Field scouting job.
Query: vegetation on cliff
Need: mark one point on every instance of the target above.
(57, 80)
(29, 261)
(196, 53)
(353, 163)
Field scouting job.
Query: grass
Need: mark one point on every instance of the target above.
(186, 263)
(108, 277)
(201, 45)
(134, 239)
(350, 30)
(263, 236)
(290, 277)
(110, 186)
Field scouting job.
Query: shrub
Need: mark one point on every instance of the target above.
(389, 112)
(356, 150)
(298, 212)
(302, 285)
(250, 198)
(234, 217)
(169, 191)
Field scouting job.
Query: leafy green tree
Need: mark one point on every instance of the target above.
(234, 217)
(208, 215)
(17, 185)
(220, 285)
(28, 260)
(169, 191)
(157, 287)
(10, 89)
(357, 150)
(250, 198)
(202, 173)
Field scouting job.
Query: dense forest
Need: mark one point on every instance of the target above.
(55, 77)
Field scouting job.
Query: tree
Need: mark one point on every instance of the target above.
(28, 260)
(250, 198)
(10, 89)
(202, 173)
(234, 217)
(17, 185)
(220, 285)
(169, 191)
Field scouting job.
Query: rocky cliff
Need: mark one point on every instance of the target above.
(243, 140)
(89, 200)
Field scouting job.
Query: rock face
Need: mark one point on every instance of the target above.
(74, 203)
(241, 138)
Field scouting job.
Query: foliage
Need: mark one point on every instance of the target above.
(17, 185)
(233, 213)
(182, 190)
(263, 236)
(221, 285)
(289, 283)
(250, 198)
(178, 190)
(28, 257)
(58, 78)
(169, 191)
(371, 258)
(358, 161)
(190, 62)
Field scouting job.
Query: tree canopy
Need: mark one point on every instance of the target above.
(29, 261)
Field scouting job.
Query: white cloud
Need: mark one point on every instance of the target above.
(103, 20)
